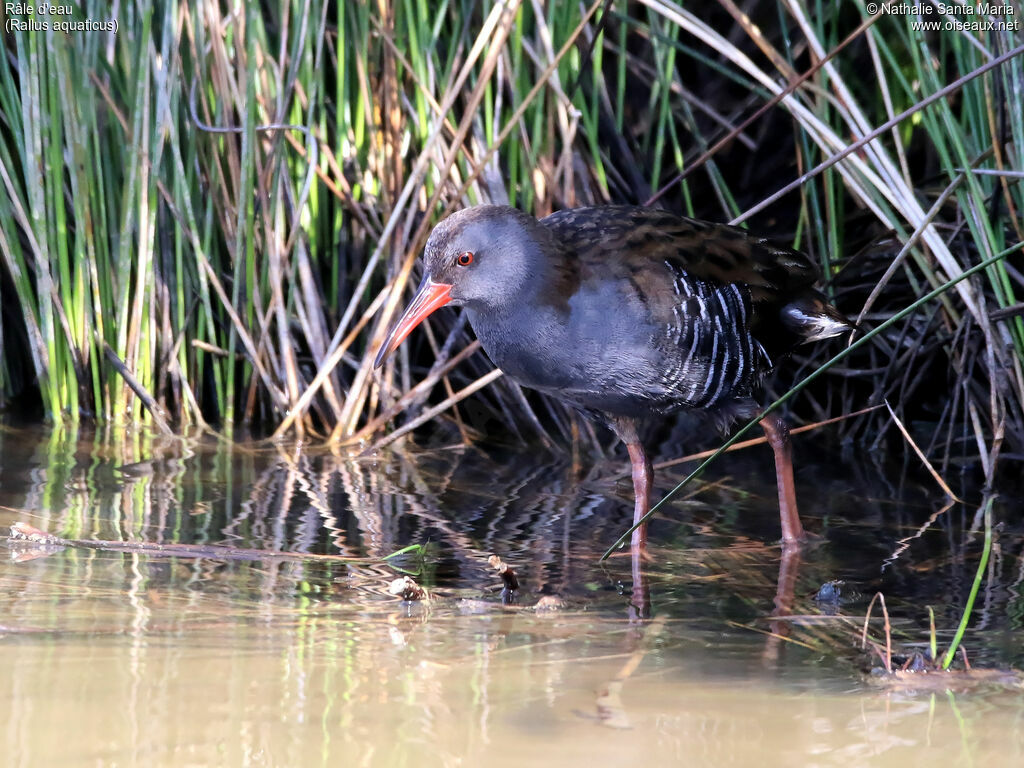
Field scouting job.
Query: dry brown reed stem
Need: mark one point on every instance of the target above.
(276, 273)
(337, 184)
(219, 75)
(420, 86)
(920, 454)
(329, 364)
(356, 393)
(364, 378)
(887, 657)
(314, 325)
(755, 34)
(513, 121)
(441, 407)
(503, 27)
(997, 151)
(276, 245)
(250, 346)
(567, 122)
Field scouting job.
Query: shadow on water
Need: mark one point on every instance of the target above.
(123, 658)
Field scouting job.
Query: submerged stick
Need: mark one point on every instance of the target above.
(28, 534)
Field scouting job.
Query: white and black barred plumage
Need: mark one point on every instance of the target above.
(715, 357)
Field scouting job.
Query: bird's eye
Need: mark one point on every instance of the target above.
(464, 259)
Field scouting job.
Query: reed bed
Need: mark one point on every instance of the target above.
(212, 215)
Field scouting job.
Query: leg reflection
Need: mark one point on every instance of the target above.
(640, 597)
(789, 568)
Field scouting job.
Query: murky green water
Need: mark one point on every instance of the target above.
(122, 659)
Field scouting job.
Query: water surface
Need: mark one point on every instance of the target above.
(119, 658)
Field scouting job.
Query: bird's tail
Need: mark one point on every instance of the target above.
(812, 318)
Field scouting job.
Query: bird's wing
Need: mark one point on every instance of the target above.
(716, 253)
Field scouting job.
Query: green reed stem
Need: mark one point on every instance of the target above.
(979, 576)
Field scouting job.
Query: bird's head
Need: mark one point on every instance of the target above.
(479, 257)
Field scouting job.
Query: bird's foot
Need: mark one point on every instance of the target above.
(641, 554)
(804, 539)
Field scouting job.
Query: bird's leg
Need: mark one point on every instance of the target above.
(777, 432)
(643, 476)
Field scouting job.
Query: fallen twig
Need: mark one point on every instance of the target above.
(25, 533)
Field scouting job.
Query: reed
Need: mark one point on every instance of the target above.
(211, 216)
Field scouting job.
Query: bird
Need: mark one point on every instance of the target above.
(627, 313)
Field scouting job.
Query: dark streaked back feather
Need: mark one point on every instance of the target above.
(718, 253)
(786, 310)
